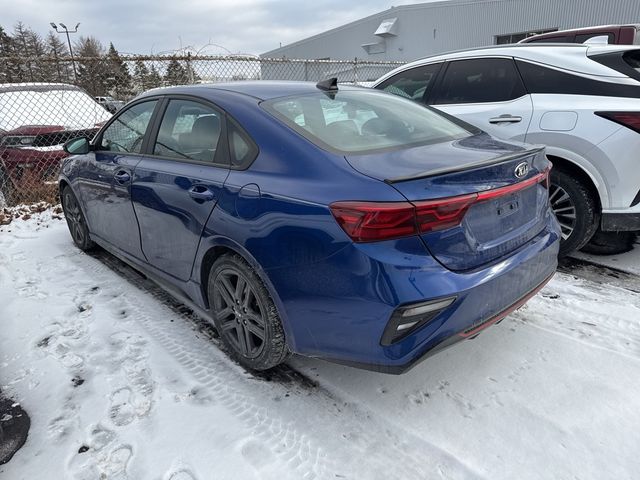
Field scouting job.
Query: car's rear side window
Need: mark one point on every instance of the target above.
(359, 121)
(189, 131)
(412, 83)
(480, 80)
(633, 60)
(541, 79)
(242, 149)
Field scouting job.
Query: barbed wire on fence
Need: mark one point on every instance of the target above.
(48, 99)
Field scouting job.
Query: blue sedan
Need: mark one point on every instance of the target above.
(320, 219)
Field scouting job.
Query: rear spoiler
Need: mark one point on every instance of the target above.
(469, 166)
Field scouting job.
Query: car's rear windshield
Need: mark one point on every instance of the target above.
(362, 121)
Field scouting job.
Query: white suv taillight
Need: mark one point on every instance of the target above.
(628, 119)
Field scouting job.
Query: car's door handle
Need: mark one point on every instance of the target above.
(506, 118)
(122, 176)
(200, 192)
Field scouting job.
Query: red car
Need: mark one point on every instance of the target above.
(35, 121)
(613, 34)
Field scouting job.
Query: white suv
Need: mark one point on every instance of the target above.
(582, 101)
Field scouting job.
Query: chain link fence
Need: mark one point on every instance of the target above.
(45, 101)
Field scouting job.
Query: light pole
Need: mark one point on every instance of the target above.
(67, 31)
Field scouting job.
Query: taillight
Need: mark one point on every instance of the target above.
(371, 221)
(443, 213)
(374, 221)
(628, 119)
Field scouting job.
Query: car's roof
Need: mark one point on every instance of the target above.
(260, 89)
(569, 56)
(36, 87)
(595, 28)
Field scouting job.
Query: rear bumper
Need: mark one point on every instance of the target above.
(338, 309)
(469, 333)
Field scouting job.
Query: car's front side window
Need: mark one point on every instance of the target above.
(126, 133)
(480, 80)
(189, 130)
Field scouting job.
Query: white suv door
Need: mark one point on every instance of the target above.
(487, 93)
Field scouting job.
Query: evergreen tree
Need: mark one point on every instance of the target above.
(94, 71)
(119, 80)
(42, 71)
(21, 49)
(155, 80)
(140, 76)
(10, 67)
(61, 67)
(176, 73)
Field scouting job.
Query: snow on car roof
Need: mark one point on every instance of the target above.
(36, 87)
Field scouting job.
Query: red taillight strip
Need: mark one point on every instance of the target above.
(501, 191)
(506, 311)
(373, 221)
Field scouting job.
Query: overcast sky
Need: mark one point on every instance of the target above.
(155, 26)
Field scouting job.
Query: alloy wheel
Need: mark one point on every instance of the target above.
(564, 209)
(239, 313)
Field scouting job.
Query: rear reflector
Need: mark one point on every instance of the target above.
(409, 318)
(628, 119)
(374, 221)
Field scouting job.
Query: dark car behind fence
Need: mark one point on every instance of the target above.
(45, 101)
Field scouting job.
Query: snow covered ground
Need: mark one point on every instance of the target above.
(122, 382)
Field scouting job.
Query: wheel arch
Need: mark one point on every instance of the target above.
(213, 250)
(65, 182)
(62, 183)
(571, 168)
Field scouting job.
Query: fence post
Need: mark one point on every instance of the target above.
(355, 70)
(189, 68)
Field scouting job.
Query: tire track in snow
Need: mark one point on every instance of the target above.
(600, 317)
(366, 447)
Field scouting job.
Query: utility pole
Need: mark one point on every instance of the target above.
(67, 31)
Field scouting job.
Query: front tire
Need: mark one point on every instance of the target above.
(245, 315)
(575, 209)
(75, 220)
(610, 243)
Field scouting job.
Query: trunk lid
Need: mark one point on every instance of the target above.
(512, 206)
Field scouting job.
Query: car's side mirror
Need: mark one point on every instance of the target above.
(77, 146)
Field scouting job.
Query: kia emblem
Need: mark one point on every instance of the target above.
(521, 170)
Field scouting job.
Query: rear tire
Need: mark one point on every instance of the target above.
(76, 221)
(610, 243)
(245, 315)
(575, 209)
